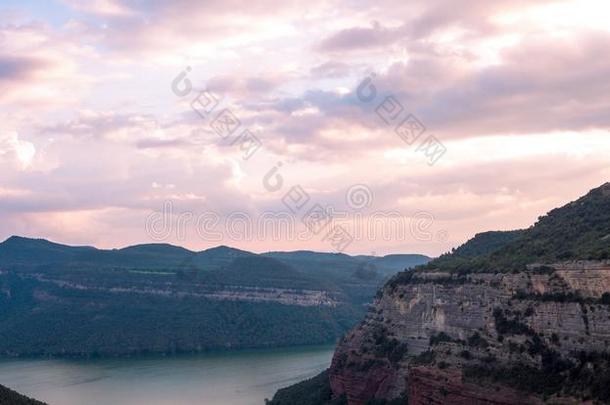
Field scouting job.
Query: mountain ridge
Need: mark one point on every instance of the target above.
(217, 299)
(222, 249)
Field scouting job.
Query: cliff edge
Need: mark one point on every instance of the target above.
(508, 318)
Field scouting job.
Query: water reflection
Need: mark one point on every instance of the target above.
(232, 378)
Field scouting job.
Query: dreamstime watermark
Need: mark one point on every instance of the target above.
(315, 220)
(359, 196)
(239, 226)
(340, 228)
(406, 125)
(225, 123)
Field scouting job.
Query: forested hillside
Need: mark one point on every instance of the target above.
(576, 231)
(82, 301)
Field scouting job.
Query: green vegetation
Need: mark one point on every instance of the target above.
(509, 326)
(563, 297)
(82, 301)
(424, 358)
(389, 348)
(582, 375)
(339, 262)
(387, 265)
(578, 231)
(465, 354)
(553, 376)
(440, 338)
(44, 319)
(315, 391)
(443, 337)
(411, 277)
(474, 254)
(476, 340)
(487, 242)
(587, 379)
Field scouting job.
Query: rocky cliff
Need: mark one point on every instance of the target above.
(480, 338)
(524, 321)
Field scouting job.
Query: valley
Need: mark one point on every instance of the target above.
(164, 299)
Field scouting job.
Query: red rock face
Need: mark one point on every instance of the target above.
(431, 386)
(426, 386)
(360, 387)
(418, 311)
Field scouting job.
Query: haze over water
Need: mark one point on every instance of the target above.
(235, 378)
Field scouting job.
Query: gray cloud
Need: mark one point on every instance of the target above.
(361, 38)
(332, 69)
(19, 67)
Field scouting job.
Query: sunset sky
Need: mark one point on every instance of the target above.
(94, 139)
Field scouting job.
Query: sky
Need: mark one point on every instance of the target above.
(405, 126)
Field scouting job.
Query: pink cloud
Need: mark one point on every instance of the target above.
(91, 95)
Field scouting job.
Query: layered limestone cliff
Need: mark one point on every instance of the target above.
(536, 336)
(285, 296)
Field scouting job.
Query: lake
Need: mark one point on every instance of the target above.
(229, 378)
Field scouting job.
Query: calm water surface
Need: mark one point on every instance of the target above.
(235, 378)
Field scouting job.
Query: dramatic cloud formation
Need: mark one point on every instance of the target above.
(103, 122)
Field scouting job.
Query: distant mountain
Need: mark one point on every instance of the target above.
(156, 249)
(310, 256)
(18, 250)
(385, 265)
(10, 397)
(218, 256)
(62, 300)
(388, 264)
(32, 252)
